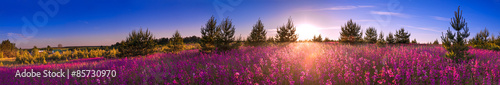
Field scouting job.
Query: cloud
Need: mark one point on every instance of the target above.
(423, 28)
(390, 13)
(346, 7)
(365, 20)
(440, 18)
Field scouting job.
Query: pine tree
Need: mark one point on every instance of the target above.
(258, 34)
(137, 43)
(286, 33)
(371, 35)
(177, 43)
(480, 38)
(390, 39)
(350, 32)
(454, 43)
(436, 42)
(225, 35)
(208, 35)
(317, 39)
(414, 41)
(381, 38)
(402, 36)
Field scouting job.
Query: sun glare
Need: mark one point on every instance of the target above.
(307, 31)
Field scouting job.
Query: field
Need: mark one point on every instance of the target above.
(294, 63)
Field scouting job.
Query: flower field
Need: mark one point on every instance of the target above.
(295, 63)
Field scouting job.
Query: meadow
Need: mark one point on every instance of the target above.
(307, 63)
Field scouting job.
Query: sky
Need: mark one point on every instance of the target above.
(40, 23)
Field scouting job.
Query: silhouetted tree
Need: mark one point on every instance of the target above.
(49, 49)
(317, 39)
(454, 43)
(414, 41)
(350, 32)
(402, 36)
(177, 43)
(137, 43)
(286, 33)
(371, 35)
(258, 34)
(225, 35)
(436, 42)
(327, 39)
(390, 39)
(381, 40)
(208, 35)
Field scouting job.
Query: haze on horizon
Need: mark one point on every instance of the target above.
(96, 22)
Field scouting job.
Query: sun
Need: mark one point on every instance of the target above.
(307, 31)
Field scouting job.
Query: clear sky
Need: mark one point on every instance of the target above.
(105, 22)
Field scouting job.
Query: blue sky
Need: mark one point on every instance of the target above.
(99, 22)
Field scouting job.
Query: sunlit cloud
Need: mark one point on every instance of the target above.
(391, 13)
(440, 18)
(346, 7)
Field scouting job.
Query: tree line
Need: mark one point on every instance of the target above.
(219, 37)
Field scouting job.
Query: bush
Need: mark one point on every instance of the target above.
(113, 53)
(138, 43)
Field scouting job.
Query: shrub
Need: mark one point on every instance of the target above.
(350, 32)
(112, 53)
(414, 41)
(1, 54)
(454, 43)
(138, 43)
